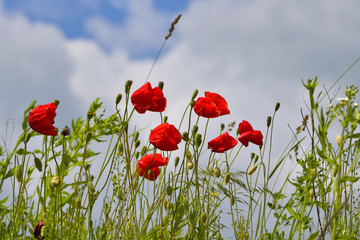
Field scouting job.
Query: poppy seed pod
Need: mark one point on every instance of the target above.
(190, 165)
(217, 172)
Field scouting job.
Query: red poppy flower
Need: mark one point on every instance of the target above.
(150, 173)
(153, 160)
(211, 106)
(248, 134)
(165, 137)
(148, 166)
(222, 143)
(37, 230)
(148, 98)
(41, 119)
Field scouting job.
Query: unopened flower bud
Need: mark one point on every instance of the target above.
(194, 130)
(355, 105)
(165, 203)
(198, 139)
(38, 164)
(222, 127)
(192, 103)
(252, 155)
(217, 172)
(311, 193)
(56, 102)
(176, 162)
(277, 106)
(232, 200)
(313, 173)
(227, 178)
(91, 187)
(268, 121)
(203, 217)
(120, 149)
(252, 169)
(137, 154)
(195, 93)
(77, 202)
(137, 143)
(128, 86)
(19, 172)
(136, 135)
(88, 137)
(338, 140)
(27, 137)
(335, 170)
(161, 85)
(143, 150)
(169, 190)
(190, 165)
(185, 136)
(256, 158)
(118, 98)
(54, 182)
(165, 119)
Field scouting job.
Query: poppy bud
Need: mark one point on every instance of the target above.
(128, 86)
(88, 137)
(89, 115)
(232, 200)
(77, 202)
(38, 164)
(118, 98)
(311, 193)
(338, 139)
(120, 149)
(268, 121)
(190, 165)
(19, 172)
(137, 143)
(277, 106)
(177, 159)
(195, 93)
(222, 127)
(252, 155)
(165, 119)
(198, 139)
(161, 85)
(143, 150)
(27, 137)
(136, 135)
(185, 136)
(256, 158)
(335, 170)
(218, 236)
(165, 203)
(194, 130)
(169, 190)
(91, 187)
(56, 102)
(227, 178)
(192, 103)
(252, 169)
(217, 172)
(54, 182)
(313, 173)
(137, 155)
(203, 217)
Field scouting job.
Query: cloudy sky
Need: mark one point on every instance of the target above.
(253, 52)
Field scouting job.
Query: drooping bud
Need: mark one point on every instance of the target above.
(222, 127)
(54, 182)
(252, 155)
(185, 136)
(137, 143)
(56, 102)
(190, 165)
(227, 178)
(128, 86)
(88, 137)
(252, 169)
(65, 131)
(195, 93)
(217, 172)
(118, 98)
(176, 162)
(338, 140)
(232, 200)
(277, 106)
(19, 172)
(161, 85)
(192, 103)
(268, 121)
(38, 164)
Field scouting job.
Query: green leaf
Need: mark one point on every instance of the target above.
(355, 135)
(2, 201)
(313, 235)
(349, 179)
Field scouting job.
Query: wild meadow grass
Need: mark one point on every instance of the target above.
(147, 190)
